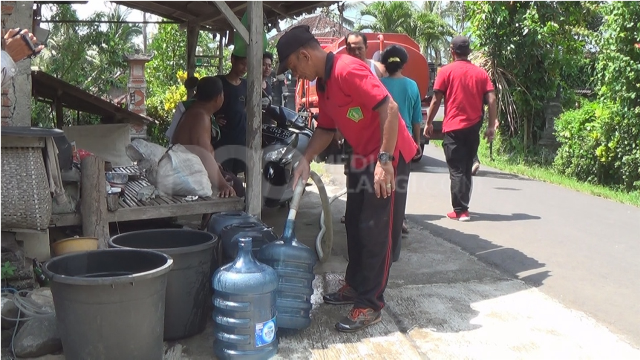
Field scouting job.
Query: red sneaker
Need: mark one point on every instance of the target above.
(463, 216)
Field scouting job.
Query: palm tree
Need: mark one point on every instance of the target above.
(390, 16)
(336, 13)
(455, 14)
(425, 25)
(107, 46)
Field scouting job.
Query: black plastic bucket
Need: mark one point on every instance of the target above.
(189, 286)
(110, 303)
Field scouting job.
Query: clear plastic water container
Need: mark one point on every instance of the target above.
(244, 311)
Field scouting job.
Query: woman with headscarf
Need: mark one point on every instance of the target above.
(406, 94)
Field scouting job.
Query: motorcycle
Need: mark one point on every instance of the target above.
(285, 137)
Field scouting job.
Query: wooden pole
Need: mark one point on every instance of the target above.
(254, 109)
(233, 19)
(193, 31)
(93, 200)
(221, 58)
(59, 113)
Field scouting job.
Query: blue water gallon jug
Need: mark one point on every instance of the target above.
(260, 235)
(245, 308)
(294, 262)
(219, 220)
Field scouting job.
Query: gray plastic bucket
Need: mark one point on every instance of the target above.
(110, 303)
(189, 292)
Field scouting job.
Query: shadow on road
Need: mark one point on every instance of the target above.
(506, 188)
(430, 165)
(500, 175)
(475, 216)
(434, 286)
(417, 295)
(507, 260)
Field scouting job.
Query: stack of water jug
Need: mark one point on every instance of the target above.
(265, 284)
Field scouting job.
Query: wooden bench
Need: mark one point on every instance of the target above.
(95, 218)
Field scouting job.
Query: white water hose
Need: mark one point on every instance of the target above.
(324, 240)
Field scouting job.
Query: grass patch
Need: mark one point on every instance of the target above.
(318, 168)
(436, 143)
(516, 165)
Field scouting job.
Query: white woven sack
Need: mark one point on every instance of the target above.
(181, 173)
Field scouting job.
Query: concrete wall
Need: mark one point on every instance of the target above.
(16, 96)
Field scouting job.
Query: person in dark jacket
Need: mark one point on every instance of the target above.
(232, 118)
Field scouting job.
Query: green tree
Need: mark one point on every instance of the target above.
(532, 45)
(86, 55)
(336, 13)
(166, 73)
(424, 25)
(169, 45)
(108, 44)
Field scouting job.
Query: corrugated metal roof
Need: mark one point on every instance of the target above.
(209, 16)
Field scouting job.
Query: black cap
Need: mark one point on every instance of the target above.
(460, 45)
(289, 42)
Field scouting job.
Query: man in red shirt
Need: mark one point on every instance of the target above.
(352, 99)
(465, 87)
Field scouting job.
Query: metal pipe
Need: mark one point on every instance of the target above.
(106, 22)
(381, 40)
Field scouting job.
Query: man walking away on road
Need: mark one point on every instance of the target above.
(464, 87)
(353, 100)
(232, 118)
(406, 94)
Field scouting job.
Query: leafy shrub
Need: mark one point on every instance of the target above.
(162, 107)
(600, 144)
(577, 131)
(618, 68)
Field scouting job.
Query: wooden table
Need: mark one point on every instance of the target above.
(130, 208)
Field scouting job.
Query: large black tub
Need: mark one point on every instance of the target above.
(110, 303)
(189, 286)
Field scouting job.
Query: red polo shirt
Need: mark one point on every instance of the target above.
(348, 97)
(464, 86)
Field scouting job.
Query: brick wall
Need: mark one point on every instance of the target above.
(16, 96)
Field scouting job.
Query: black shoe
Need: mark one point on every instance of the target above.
(344, 296)
(358, 319)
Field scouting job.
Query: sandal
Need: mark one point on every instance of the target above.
(343, 219)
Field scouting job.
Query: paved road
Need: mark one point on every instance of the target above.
(441, 303)
(581, 250)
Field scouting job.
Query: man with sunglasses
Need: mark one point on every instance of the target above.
(353, 100)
